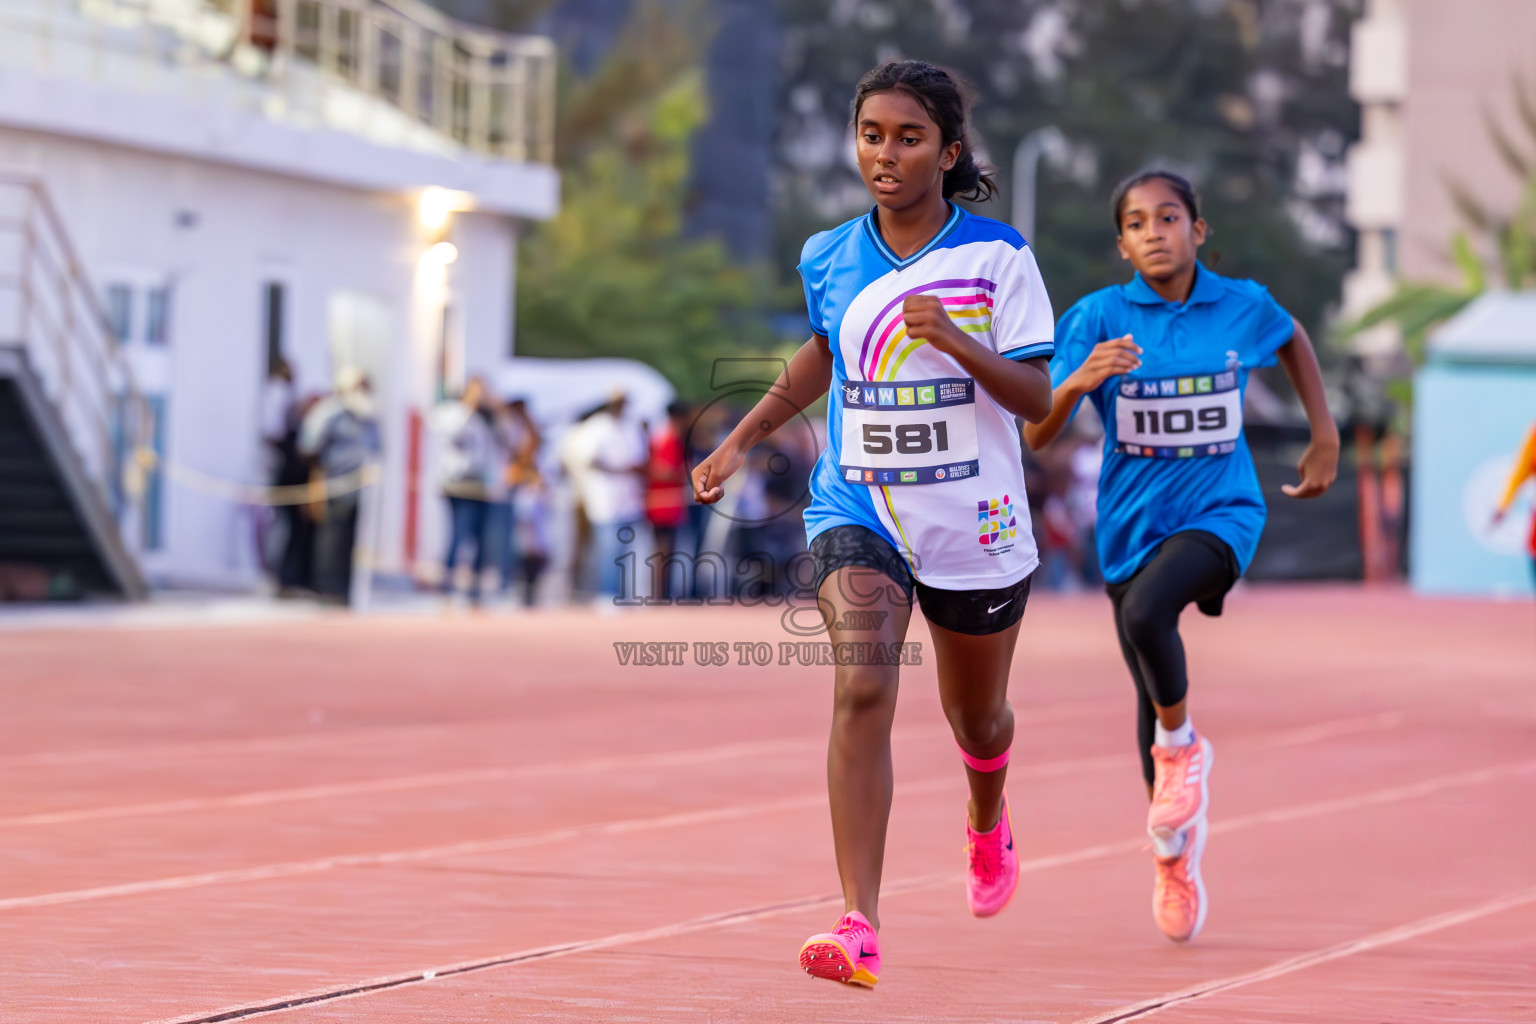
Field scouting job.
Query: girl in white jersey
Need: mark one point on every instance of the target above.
(933, 330)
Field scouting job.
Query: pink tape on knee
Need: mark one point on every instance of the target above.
(987, 764)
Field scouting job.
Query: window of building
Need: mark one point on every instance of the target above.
(1389, 249)
(120, 311)
(157, 312)
(273, 301)
(154, 479)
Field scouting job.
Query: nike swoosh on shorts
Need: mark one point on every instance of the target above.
(1005, 604)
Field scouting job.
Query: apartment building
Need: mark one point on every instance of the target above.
(1428, 74)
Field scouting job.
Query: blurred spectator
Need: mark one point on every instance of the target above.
(341, 437)
(281, 414)
(516, 449)
(532, 510)
(612, 490)
(668, 492)
(1083, 505)
(575, 458)
(471, 476)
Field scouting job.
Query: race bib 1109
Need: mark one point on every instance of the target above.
(909, 432)
(1179, 417)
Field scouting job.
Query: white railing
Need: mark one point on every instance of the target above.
(49, 312)
(490, 92)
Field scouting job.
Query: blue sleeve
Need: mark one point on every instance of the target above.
(1077, 332)
(813, 276)
(1274, 327)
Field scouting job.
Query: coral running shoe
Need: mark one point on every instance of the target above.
(1178, 898)
(1180, 791)
(848, 953)
(993, 874)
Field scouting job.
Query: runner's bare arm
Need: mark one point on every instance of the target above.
(1319, 464)
(803, 381)
(1108, 359)
(1023, 387)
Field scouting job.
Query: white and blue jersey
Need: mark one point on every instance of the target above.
(916, 451)
(1174, 453)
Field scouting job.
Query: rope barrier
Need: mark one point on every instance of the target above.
(240, 493)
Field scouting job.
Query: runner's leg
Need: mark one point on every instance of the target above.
(973, 688)
(859, 774)
(1190, 566)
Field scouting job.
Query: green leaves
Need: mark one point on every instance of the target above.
(613, 273)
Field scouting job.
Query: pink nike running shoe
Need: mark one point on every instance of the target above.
(993, 873)
(849, 953)
(1180, 791)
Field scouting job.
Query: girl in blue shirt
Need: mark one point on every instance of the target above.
(1165, 360)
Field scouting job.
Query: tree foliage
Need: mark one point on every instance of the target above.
(1248, 97)
(613, 274)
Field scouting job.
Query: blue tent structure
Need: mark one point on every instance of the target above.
(1474, 401)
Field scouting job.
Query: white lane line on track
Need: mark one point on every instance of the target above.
(1391, 936)
(268, 872)
(1055, 711)
(1096, 852)
(680, 819)
(665, 759)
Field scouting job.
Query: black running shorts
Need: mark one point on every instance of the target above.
(972, 612)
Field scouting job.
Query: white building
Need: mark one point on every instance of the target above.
(246, 180)
(1428, 74)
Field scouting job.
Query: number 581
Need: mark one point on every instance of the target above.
(909, 438)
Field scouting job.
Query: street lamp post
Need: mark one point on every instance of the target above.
(1047, 141)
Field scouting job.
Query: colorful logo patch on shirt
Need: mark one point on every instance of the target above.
(887, 396)
(906, 396)
(995, 521)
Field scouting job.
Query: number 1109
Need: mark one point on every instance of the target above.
(1180, 421)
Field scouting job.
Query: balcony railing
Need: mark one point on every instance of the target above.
(489, 91)
(434, 82)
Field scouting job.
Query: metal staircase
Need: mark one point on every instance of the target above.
(69, 417)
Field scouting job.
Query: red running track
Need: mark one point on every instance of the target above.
(489, 819)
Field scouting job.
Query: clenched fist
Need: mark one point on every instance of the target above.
(927, 319)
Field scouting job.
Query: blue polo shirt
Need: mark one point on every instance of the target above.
(1174, 454)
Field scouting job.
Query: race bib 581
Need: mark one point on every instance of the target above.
(909, 432)
(1179, 417)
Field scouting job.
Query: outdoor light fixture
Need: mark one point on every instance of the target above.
(436, 205)
(443, 253)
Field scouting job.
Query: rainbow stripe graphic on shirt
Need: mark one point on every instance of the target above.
(968, 301)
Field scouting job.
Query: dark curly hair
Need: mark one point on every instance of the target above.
(945, 101)
(1180, 185)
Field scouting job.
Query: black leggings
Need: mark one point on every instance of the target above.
(1193, 566)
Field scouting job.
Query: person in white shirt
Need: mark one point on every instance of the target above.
(470, 477)
(612, 488)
